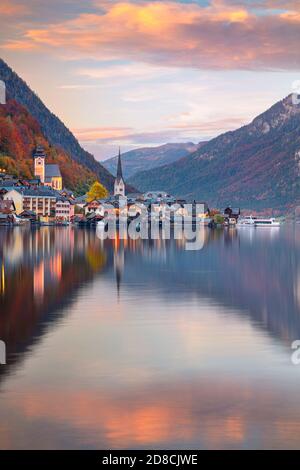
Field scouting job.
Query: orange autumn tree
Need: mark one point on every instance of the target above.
(97, 191)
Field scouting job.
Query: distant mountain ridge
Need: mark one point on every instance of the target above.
(256, 166)
(146, 158)
(53, 128)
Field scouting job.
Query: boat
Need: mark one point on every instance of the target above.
(250, 221)
(247, 221)
(11, 220)
(20, 221)
(267, 222)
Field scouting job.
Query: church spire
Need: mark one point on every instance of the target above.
(119, 186)
(119, 170)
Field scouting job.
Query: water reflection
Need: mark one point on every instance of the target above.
(127, 343)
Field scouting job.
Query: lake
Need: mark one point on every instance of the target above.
(123, 344)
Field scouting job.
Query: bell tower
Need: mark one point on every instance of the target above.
(39, 163)
(119, 187)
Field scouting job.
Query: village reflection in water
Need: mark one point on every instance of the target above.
(140, 344)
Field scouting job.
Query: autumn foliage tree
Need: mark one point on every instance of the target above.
(97, 191)
(20, 134)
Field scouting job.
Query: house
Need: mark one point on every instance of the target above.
(67, 193)
(232, 213)
(64, 209)
(29, 215)
(41, 200)
(15, 195)
(7, 206)
(92, 206)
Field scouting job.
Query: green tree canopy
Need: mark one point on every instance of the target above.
(97, 191)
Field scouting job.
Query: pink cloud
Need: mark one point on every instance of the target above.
(225, 35)
(101, 133)
(115, 135)
(9, 8)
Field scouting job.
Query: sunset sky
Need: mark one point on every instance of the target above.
(139, 73)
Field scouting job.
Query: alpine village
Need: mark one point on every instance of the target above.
(47, 178)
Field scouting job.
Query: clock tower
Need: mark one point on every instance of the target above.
(39, 163)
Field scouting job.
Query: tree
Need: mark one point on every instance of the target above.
(97, 191)
(218, 219)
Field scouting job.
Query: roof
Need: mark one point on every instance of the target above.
(8, 188)
(39, 152)
(36, 180)
(63, 199)
(52, 171)
(39, 192)
(27, 213)
(6, 176)
(66, 191)
(134, 195)
(9, 182)
(80, 199)
(36, 192)
(119, 169)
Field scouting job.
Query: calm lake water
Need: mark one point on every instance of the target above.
(123, 344)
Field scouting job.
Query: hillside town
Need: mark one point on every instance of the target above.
(45, 201)
(41, 200)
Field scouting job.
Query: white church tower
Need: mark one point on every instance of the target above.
(119, 187)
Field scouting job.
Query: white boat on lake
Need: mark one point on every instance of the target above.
(250, 221)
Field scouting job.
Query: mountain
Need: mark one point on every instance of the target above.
(54, 130)
(20, 133)
(146, 158)
(255, 167)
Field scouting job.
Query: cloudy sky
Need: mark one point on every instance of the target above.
(139, 73)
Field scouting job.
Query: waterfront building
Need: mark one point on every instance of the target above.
(119, 186)
(15, 195)
(41, 200)
(7, 206)
(94, 206)
(64, 209)
(232, 213)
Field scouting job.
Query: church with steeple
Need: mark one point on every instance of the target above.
(119, 186)
(48, 174)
